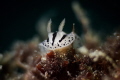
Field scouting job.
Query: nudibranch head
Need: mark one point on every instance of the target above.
(58, 39)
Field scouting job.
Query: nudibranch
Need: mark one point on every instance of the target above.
(58, 41)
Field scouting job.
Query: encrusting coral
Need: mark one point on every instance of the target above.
(91, 61)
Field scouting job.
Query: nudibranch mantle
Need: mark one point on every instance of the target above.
(58, 39)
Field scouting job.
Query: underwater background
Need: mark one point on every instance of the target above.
(19, 19)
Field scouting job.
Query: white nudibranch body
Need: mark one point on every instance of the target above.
(57, 40)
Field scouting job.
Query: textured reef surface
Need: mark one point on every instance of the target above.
(88, 63)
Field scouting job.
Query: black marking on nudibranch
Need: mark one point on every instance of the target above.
(48, 40)
(54, 36)
(62, 38)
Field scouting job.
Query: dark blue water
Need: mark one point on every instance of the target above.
(18, 19)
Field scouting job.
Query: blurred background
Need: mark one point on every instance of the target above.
(22, 20)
